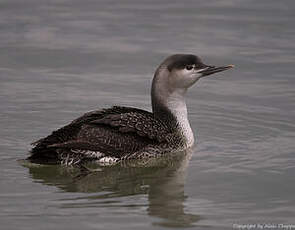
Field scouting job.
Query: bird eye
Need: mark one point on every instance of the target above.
(189, 67)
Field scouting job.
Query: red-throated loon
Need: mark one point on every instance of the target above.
(122, 133)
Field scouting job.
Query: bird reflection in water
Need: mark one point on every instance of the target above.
(162, 179)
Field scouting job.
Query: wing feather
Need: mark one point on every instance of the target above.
(142, 124)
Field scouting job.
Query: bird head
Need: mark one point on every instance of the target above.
(185, 69)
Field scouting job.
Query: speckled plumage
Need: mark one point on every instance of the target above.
(118, 132)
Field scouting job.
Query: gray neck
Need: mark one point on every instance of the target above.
(169, 105)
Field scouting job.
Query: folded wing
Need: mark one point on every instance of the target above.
(115, 132)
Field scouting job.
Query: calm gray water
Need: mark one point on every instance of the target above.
(60, 59)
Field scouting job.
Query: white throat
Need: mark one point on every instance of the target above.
(176, 104)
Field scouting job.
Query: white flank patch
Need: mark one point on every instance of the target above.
(108, 160)
(88, 153)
